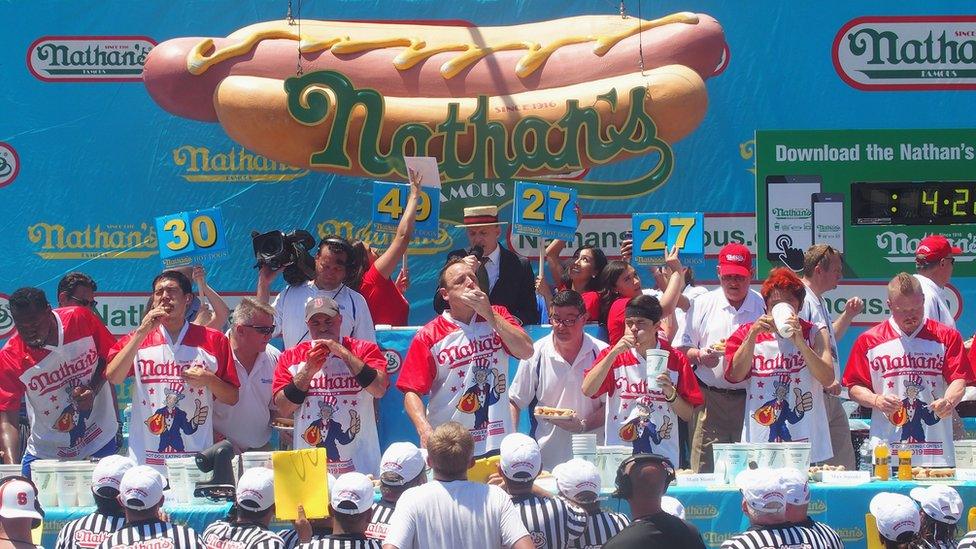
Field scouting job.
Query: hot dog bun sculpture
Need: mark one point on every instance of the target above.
(524, 101)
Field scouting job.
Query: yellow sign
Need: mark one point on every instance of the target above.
(301, 478)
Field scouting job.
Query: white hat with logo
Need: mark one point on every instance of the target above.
(17, 500)
(940, 502)
(521, 458)
(761, 490)
(796, 486)
(401, 463)
(577, 477)
(141, 488)
(895, 514)
(351, 494)
(108, 473)
(255, 489)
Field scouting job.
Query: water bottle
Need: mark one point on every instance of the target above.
(126, 416)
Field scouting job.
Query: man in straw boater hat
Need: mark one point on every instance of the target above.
(502, 274)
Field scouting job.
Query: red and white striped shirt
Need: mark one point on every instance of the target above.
(48, 375)
(917, 368)
(784, 402)
(338, 414)
(170, 418)
(464, 369)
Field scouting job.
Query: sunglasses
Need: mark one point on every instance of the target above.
(263, 330)
(565, 321)
(83, 302)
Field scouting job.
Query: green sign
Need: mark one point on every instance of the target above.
(871, 193)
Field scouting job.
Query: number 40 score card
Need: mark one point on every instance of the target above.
(656, 233)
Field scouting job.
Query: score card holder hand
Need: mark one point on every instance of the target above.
(656, 233)
(190, 237)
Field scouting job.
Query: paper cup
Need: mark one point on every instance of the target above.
(797, 456)
(731, 459)
(84, 471)
(781, 313)
(42, 472)
(965, 454)
(66, 481)
(656, 363)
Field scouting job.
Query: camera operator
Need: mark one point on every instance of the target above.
(334, 266)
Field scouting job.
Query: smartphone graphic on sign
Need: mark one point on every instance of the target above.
(828, 219)
(789, 219)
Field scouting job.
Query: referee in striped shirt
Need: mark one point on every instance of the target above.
(402, 466)
(351, 507)
(578, 482)
(91, 530)
(255, 507)
(141, 495)
(764, 502)
(552, 523)
(796, 485)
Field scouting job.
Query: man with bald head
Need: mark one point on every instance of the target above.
(642, 480)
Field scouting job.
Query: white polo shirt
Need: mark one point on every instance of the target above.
(289, 307)
(814, 311)
(710, 319)
(247, 424)
(546, 379)
(936, 304)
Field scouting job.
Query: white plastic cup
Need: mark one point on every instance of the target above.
(797, 456)
(85, 496)
(965, 454)
(781, 314)
(731, 459)
(43, 474)
(656, 363)
(250, 460)
(66, 481)
(193, 476)
(177, 476)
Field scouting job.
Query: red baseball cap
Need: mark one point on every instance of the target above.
(735, 259)
(934, 247)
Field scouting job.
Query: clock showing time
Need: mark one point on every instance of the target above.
(913, 203)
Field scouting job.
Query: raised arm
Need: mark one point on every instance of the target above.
(387, 262)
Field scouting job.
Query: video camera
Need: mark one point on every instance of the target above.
(291, 251)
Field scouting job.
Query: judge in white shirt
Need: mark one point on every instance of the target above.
(934, 262)
(247, 424)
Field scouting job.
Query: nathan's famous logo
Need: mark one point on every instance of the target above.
(83, 58)
(904, 53)
(701, 512)
(201, 165)
(817, 507)
(55, 241)
(715, 539)
(9, 164)
(792, 213)
(6, 321)
(350, 231)
(855, 533)
(900, 248)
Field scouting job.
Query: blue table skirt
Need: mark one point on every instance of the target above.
(717, 512)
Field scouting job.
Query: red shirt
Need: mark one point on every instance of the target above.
(591, 300)
(386, 304)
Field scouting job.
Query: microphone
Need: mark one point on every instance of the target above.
(478, 251)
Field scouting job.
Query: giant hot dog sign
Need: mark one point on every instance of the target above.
(492, 104)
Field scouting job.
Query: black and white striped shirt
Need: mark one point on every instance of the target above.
(380, 523)
(600, 527)
(343, 541)
(968, 541)
(153, 534)
(551, 522)
(925, 544)
(290, 537)
(223, 535)
(88, 532)
(781, 537)
(827, 536)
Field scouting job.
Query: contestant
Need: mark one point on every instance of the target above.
(641, 413)
(329, 385)
(552, 377)
(912, 373)
(785, 376)
(461, 360)
(77, 290)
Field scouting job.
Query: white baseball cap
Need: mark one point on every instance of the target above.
(796, 486)
(255, 489)
(895, 514)
(940, 502)
(401, 463)
(672, 507)
(761, 490)
(141, 488)
(575, 477)
(351, 494)
(17, 499)
(521, 458)
(109, 470)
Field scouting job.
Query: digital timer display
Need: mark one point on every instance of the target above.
(913, 203)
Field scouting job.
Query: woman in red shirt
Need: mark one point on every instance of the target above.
(581, 274)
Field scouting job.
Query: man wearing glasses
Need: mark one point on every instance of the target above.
(247, 424)
(77, 290)
(934, 263)
(553, 377)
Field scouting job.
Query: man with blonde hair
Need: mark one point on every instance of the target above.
(247, 424)
(912, 372)
(450, 511)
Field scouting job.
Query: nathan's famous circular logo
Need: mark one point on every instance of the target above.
(9, 168)
(393, 361)
(6, 321)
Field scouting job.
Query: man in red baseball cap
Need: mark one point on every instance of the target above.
(710, 319)
(934, 262)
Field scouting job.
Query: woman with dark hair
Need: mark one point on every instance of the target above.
(941, 509)
(580, 274)
(619, 282)
(384, 297)
(898, 520)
